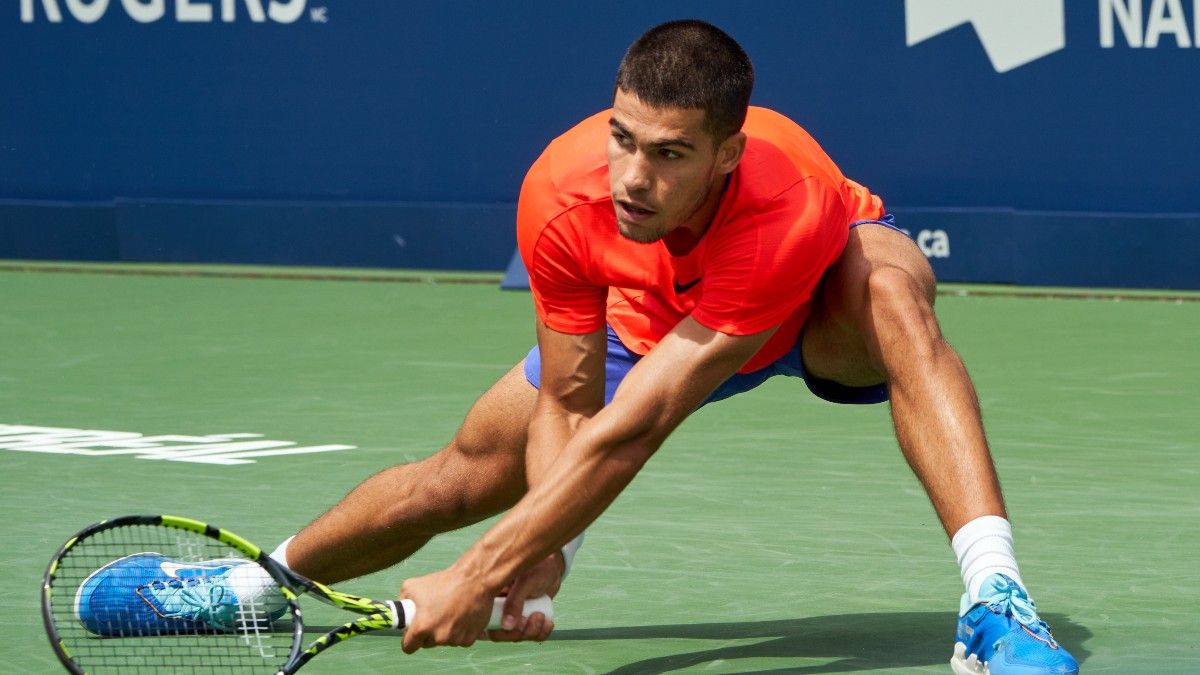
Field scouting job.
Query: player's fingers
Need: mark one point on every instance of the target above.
(501, 635)
(411, 642)
(514, 609)
(533, 626)
(465, 638)
(498, 635)
(417, 638)
(539, 627)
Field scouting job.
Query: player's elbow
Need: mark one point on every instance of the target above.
(633, 455)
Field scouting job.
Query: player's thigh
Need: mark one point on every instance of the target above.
(486, 459)
(881, 275)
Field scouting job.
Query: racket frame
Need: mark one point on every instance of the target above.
(379, 615)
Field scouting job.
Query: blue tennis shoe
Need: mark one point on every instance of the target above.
(1001, 634)
(151, 594)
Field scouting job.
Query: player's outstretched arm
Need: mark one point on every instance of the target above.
(598, 461)
(571, 392)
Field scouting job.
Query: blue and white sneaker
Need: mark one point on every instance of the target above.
(151, 594)
(1002, 635)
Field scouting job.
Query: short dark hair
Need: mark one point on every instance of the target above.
(691, 64)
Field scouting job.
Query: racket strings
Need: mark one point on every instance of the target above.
(146, 598)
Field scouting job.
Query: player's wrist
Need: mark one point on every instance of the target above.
(473, 573)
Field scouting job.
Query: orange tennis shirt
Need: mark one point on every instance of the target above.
(783, 220)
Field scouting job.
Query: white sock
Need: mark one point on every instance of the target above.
(279, 555)
(568, 552)
(984, 546)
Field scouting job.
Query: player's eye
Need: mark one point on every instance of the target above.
(667, 153)
(622, 140)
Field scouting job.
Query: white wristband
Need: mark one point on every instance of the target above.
(568, 553)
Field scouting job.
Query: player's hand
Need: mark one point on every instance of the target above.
(450, 612)
(544, 578)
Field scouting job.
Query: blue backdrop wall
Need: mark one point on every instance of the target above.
(1046, 141)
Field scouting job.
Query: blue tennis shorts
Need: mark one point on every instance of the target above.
(620, 360)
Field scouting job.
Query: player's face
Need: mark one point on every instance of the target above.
(665, 171)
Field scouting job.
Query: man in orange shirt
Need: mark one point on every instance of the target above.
(683, 248)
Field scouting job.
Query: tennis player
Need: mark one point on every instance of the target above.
(682, 248)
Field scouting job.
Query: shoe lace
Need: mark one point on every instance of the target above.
(200, 599)
(1008, 596)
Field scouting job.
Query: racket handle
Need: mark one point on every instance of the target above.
(541, 604)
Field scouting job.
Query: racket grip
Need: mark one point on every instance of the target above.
(542, 604)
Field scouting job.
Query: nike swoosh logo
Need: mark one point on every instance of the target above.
(680, 289)
(172, 570)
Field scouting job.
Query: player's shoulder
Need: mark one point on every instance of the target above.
(566, 191)
(581, 137)
(781, 153)
(785, 184)
(777, 129)
(573, 168)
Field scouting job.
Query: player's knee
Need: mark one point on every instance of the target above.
(502, 449)
(901, 311)
(477, 478)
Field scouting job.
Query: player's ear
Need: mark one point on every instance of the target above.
(729, 153)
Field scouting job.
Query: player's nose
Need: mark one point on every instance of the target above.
(637, 175)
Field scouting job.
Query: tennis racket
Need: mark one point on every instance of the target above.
(152, 594)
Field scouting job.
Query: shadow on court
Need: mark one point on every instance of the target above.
(857, 641)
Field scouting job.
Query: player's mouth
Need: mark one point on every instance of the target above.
(632, 212)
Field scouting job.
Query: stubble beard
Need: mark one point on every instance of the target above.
(638, 234)
(645, 235)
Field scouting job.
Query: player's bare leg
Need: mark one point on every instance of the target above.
(392, 514)
(874, 322)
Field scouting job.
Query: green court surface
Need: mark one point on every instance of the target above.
(772, 533)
